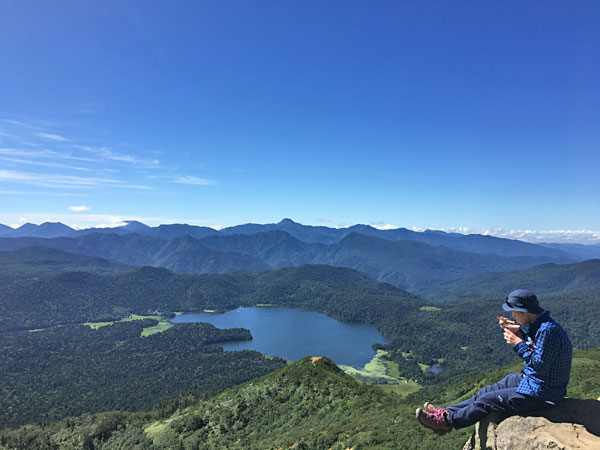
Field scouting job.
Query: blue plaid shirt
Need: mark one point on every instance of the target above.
(547, 352)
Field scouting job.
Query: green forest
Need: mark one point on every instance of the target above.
(53, 367)
(462, 333)
(66, 371)
(310, 404)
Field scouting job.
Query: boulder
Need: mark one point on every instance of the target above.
(574, 424)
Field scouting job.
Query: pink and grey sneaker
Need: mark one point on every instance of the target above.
(431, 408)
(434, 421)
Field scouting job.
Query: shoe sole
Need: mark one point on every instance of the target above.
(417, 412)
(438, 432)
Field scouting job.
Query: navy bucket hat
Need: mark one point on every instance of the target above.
(522, 300)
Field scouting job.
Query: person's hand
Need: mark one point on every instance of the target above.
(503, 321)
(511, 338)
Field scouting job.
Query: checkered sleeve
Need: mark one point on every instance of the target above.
(523, 350)
(546, 351)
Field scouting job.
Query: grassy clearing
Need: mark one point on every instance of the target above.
(430, 308)
(158, 328)
(96, 325)
(155, 429)
(138, 317)
(162, 325)
(376, 368)
(423, 367)
(392, 368)
(464, 348)
(380, 369)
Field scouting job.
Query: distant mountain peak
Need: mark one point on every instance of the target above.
(134, 225)
(28, 226)
(46, 229)
(287, 221)
(56, 226)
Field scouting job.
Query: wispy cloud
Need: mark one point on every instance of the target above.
(15, 192)
(586, 237)
(108, 154)
(44, 164)
(52, 137)
(44, 193)
(32, 135)
(79, 208)
(194, 180)
(63, 181)
(16, 122)
(537, 236)
(323, 220)
(16, 152)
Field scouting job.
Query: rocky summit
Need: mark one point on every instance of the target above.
(574, 424)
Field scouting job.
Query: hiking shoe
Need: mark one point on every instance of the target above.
(434, 421)
(431, 408)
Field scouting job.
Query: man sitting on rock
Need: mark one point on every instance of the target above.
(547, 353)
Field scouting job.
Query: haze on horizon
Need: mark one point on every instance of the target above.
(472, 117)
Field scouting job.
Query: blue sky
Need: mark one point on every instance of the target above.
(468, 114)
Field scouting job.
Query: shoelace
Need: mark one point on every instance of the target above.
(438, 417)
(439, 410)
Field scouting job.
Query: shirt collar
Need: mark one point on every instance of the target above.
(541, 318)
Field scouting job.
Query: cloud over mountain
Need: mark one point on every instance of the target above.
(79, 208)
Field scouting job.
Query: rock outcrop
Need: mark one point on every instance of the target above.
(574, 424)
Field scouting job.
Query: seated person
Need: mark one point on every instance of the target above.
(547, 353)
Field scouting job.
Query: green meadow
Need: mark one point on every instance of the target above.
(162, 325)
(379, 369)
(430, 308)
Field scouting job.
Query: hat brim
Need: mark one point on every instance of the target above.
(537, 310)
(505, 307)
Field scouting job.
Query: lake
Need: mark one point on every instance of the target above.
(294, 333)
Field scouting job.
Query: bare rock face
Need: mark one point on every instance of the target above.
(574, 424)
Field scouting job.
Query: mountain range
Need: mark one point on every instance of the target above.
(408, 264)
(475, 243)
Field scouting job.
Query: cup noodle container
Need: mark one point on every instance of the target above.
(513, 328)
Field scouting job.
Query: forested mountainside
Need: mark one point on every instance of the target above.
(65, 371)
(404, 263)
(77, 297)
(113, 367)
(544, 279)
(310, 404)
(577, 251)
(463, 334)
(34, 262)
(183, 254)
